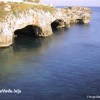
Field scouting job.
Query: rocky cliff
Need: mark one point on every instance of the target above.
(16, 16)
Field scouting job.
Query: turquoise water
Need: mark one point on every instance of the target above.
(64, 66)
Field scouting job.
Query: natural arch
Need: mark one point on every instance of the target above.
(30, 30)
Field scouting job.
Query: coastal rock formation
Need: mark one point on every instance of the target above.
(17, 16)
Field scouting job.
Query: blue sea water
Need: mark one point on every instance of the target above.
(64, 66)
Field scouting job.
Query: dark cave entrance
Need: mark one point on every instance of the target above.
(58, 24)
(28, 31)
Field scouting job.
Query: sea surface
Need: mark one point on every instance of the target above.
(64, 66)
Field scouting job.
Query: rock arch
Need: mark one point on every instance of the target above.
(29, 30)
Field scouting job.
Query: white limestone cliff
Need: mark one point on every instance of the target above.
(15, 16)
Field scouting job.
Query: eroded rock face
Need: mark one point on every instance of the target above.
(20, 16)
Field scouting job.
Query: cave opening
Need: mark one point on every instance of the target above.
(58, 24)
(28, 31)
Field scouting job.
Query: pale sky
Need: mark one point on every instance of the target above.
(72, 2)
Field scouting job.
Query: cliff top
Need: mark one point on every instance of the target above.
(16, 8)
(35, 1)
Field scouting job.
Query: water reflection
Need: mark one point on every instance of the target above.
(5, 54)
(24, 51)
(31, 43)
(22, 47)
(14, 57)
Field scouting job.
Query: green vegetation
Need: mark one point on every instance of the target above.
(34, 1)
(20, 7)
(17, 8)
(3, 13)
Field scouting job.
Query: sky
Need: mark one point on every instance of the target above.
(73, 2)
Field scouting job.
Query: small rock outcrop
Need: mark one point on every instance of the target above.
(36, 19)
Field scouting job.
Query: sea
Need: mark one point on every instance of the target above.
(63, 66)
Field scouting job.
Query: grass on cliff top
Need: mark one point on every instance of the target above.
(21, 7)
(25, 6)
(3, 13)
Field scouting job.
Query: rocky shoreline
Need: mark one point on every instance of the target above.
(38, 19)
